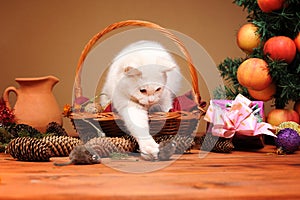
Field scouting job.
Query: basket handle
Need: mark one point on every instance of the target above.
(95, 38)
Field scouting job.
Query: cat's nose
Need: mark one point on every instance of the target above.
(151, 100)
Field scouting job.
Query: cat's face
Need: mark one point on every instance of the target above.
(148, 94)
(148, 84)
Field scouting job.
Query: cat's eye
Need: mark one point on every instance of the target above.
(143, 91)
(158, 89)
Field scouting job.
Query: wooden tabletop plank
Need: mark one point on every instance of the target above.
(238, 175)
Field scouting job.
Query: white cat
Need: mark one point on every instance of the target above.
(142, 78)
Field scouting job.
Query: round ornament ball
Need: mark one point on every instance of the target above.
(277, 116)
(280, 48)
(268, 6)
(297, 41)
(287, 141)
(289, 124)
(253, 74)
(247, 38)
(297, 106)
(265, 94)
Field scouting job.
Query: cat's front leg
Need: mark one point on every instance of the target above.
(136, 121)
(148, 147)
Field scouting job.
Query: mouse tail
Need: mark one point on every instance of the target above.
(63, 164)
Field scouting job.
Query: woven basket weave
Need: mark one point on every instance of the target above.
(171, 123)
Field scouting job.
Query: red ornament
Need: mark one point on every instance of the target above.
(270, 5)
(280, 48)
(278, 116)
(297, 107)
(297, 41)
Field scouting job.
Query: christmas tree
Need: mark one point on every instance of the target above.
(276, 25)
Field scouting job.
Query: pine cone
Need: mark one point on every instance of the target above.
(56, 129)
(61, 145)
(183, 143)
(104, 146)
(161, 138)
(130, 144)
(24, 130)
(209, 142)
(29, 149)
(223, 146)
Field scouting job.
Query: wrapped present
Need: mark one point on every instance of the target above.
(240, 119)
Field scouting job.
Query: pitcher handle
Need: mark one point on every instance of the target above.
(6, 95)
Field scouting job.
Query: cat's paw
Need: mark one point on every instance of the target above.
(149, 148)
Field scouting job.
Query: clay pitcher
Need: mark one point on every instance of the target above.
(35, 103)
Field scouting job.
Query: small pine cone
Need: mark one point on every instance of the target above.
(104, 146)
(224, 146)
(24, 130)
(56, 129)
(161, 138)
(209, 142)
(61, 145)
(183, 143)
(29, 149)
(129, 143)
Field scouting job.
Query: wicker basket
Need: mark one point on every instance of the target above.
(170, 123)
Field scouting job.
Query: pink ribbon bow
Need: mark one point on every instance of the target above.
(237, 119)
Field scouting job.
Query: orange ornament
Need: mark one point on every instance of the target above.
(265, 94)
(253, 74)
(277, 116)
(247, 38)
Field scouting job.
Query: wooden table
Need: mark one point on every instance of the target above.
(238, 175)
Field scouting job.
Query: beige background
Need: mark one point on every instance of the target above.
(46, 37)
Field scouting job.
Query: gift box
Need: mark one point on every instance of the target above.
(241, 120)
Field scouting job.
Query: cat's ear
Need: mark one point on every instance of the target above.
(167, 69)
(166, 64)
(131, 71)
